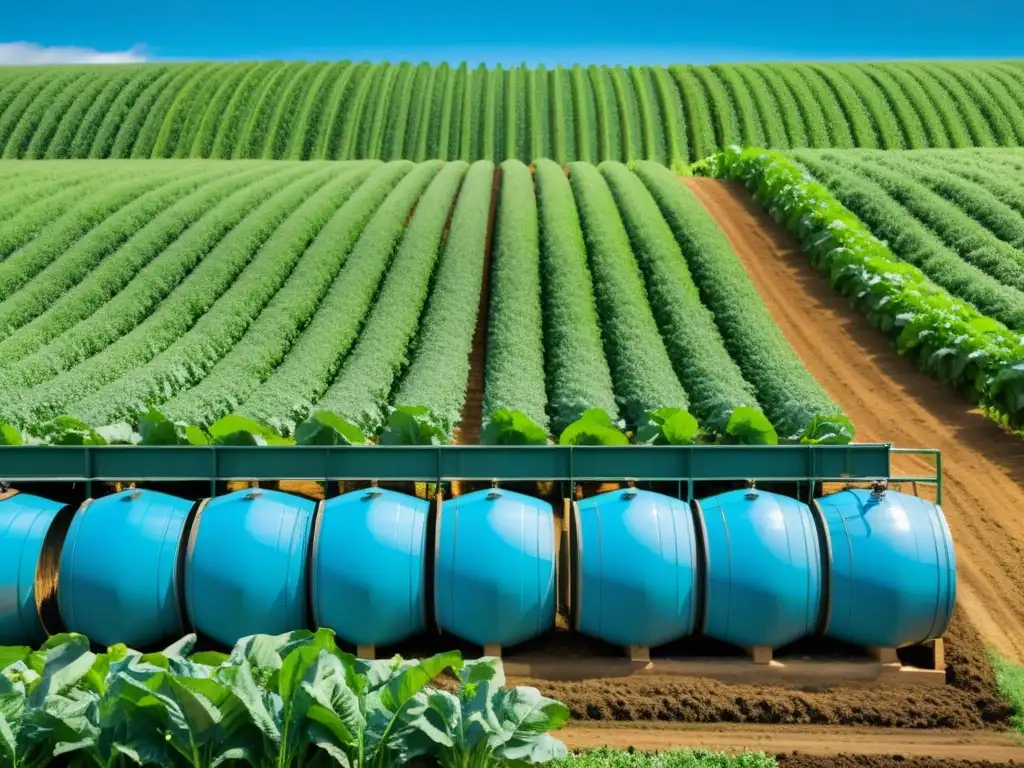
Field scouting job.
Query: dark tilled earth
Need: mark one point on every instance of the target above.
(796, 760)
(969, 701)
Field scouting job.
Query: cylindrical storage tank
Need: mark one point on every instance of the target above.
(367, 578)
(119, 569)
(893, 573)
(25, 521)
(637, 568)
(245, 569)
(495, 567)
(764, 569)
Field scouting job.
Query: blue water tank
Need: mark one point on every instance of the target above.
(495, 567)
(245, 570)
(367, 576)
(24, 523)
(637, 568)
(893, 574)
(119, 569)
(764, 569)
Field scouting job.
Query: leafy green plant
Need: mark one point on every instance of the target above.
(510, 427)
(328, 428)
(274, 701)
(413, 425)
(668, 426)
(947, 337)
(10, 435)
(484, 724)
(156, 429)
(594, 427)
(238, 430)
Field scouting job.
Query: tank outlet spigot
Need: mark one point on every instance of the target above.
(751, 489)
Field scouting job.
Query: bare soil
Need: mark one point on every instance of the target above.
(468, 431)
(804, 746)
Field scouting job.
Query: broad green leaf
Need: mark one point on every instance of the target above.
(12, 653)
(668, 426)
(749, 426)
(10, 435)
(65, 430)
(508, 427)
(328, 428)
(209, 658)
(239, 430)
(594, 427)
(412, 425)
(828, 430)
(65, 659)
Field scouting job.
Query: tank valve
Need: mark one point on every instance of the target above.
(751, 489)
(495, 491)
(254, 494)
(630, 492)
(878, 489)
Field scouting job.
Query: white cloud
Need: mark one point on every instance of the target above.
(32, 53)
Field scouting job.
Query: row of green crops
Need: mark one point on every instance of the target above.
(292, 699)
(949, 338)
(956, 216)
(352, 110)
(340, 303)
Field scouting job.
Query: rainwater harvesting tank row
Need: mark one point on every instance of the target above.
(750, 568)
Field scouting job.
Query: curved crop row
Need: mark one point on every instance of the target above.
(439, 363)
(302, 110)
(797, 405)
(948, 337)
(924, 229)
(712, 379)
(312, 298)
(642, 374)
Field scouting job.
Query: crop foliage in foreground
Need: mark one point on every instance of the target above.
(292, 699)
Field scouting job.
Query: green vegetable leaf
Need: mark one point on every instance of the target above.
(10, 435)
(749, 426)
(828, 430)
(412, 425)
(594, 427)
(239, 430)
(65, 430)
(668, 426)
(328, 428)
(508, 427)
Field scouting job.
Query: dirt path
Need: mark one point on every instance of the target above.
(468, 431)
(813, 740)
(890, 400)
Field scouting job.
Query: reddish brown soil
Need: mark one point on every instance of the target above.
(798, 760)
(890, 400)
(803, 746)
(468, 431)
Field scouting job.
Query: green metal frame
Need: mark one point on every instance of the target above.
(441, 464)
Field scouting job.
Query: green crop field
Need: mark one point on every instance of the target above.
(357, 110)
(274, 291)
(415, 281)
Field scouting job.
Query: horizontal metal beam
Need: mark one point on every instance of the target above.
(443, 463)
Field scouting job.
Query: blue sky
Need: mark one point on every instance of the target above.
(511, 32)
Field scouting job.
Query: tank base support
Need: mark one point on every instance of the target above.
(760, 654)
(638, 653)
(883, 655)
(366, 652)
